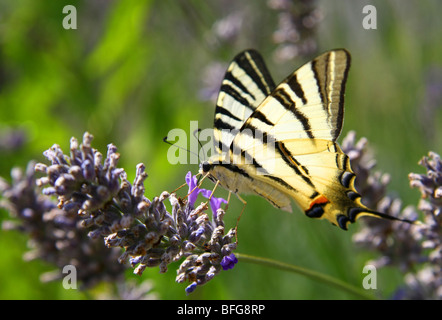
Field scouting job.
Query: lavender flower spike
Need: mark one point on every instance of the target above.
(416, 249)
(97, 201)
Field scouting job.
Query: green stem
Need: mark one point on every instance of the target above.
(308, 273)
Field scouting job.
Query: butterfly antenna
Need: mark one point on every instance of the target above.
(197, 131)
(165, 140)
(197, 137)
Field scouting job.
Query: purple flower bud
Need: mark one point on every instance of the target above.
(228, 262)
(191, 288)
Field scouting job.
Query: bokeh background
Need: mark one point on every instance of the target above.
(135, 69)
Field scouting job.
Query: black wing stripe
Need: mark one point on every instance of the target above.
(221, 110)
(222, 147)
(281, 182)
(329, 81)
(321, 79)
(231, 78)
(340, 116)
(236, 95)
(235, 169)
(337, 161)
(257, 134)
(265, 79)
(222, 125)
(292, 162)
(284, 99)
(249, 159)
(260, 116)
(296, 87)
(261, 78)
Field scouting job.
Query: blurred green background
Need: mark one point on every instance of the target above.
(135, 69)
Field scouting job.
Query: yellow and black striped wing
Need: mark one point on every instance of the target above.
(246, 84)
(317, 175)
(308, 104)
(288, 142)
(286, 148)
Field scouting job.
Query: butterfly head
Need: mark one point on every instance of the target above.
(205, 167)
(206, 170)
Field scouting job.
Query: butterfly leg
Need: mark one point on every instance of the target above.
(178, 188)
(228, 201)
(213, 190)
(196, 187)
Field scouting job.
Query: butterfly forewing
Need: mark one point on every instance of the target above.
(246, 84)
(309, 103)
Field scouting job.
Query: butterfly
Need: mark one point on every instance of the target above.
(279, 142)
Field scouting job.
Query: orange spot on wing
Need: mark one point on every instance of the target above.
(318, 200)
